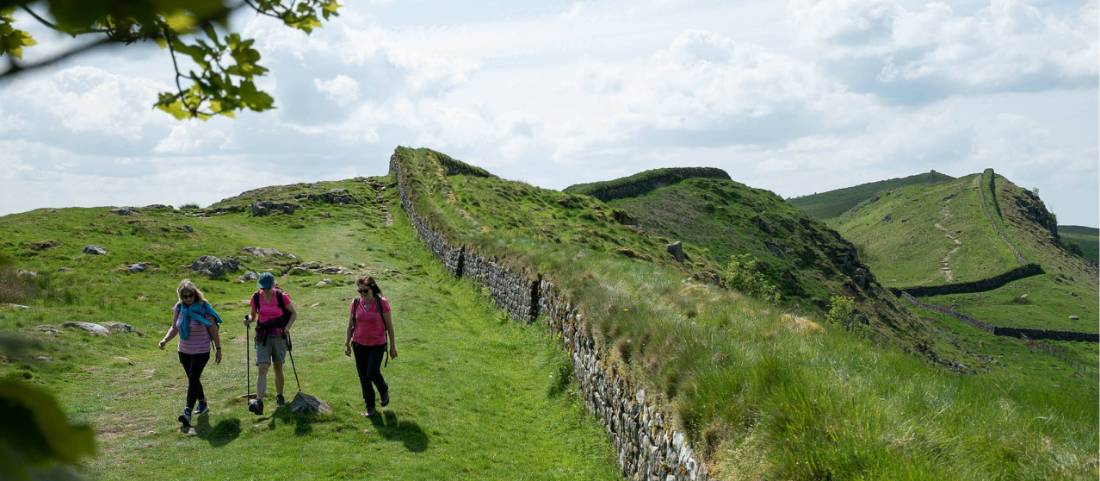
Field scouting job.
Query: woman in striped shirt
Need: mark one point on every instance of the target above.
(196, 322)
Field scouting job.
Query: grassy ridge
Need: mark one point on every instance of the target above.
(766, 394)
(897, 236)
(809, 263)
(830, 204)
(643, 182)
(456, 383)
(1085, 238)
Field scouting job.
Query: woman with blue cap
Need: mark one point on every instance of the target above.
(196, 322)
(274, 314)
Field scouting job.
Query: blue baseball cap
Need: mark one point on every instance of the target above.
(267, 280)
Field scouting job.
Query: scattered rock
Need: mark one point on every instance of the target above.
(25, 274)
(121, 327)
(306, 405)
(360, 265)
(266, 207)
(186, 229)
(48, 330)
(248, 277)
(95, 250)
(89, 327)
(139, 267)
(42, 357)
(125, 360)
(860, 277)
(323, 282)
(888, 218)
(334, 196)
(19, 307)
(1073, 318)
(125, 211)
(63, 269)
(333, 270)
(677, 251)
(158, 207)
(41, 246)
(267, 252)
(315, 304)
(214, 267)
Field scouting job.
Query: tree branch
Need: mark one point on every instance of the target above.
(54, 26)
(16, 68)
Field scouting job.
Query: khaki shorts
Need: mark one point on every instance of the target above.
(273, 349)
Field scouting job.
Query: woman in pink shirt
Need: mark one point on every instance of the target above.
(369, 324)
(196, 322)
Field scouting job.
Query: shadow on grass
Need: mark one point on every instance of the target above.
(220, 434)
(408, 432)
(303, 425)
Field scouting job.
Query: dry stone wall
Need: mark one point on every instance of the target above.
(1019, 332)
(981, 285)
(648, 447)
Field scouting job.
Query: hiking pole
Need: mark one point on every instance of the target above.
(290, 351)
(247, 363)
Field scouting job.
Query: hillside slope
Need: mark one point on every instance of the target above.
(826, 205)
(456, 382)
(969, 229)
(727, 221)
(1085, 238)
(758, 392)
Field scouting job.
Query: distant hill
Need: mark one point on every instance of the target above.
(643, 182)
(1085, 238)
(973, 228)
(830, 204)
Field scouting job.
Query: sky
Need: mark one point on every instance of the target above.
(796, 97)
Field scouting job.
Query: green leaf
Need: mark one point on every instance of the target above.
(12, 40)
(33, 422)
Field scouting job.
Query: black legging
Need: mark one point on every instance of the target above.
(368, 361)
(193, 365)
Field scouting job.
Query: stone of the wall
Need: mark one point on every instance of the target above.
(1021, 333)
(648, 447)
(980, 285)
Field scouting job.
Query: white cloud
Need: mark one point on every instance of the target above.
(340, 89)
(915, 53)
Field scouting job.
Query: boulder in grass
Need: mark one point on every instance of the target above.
(89, 327)
(306, 405)
(677, 251)
(121, 327)
(124, 211)
(95, 250)
(41, 246)
(209, 266)
(248, 276)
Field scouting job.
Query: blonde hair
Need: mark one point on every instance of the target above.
(187, 286)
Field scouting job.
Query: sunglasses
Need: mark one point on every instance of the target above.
(187, 295)
(364, 290)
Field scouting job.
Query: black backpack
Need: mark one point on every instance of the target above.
(264, 330)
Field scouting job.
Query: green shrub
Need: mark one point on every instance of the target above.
(746, 274)
(841, 309)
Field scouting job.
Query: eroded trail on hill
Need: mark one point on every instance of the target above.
(945, 262)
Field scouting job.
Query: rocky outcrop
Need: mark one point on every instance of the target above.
(214, 267)
(334, 196)
(95, 250)
(265, 207)
(648, 447)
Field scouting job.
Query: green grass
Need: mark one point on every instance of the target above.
(1048, 304)
(826, 205)
(765, 394)
(475, 396)
(1085, 238)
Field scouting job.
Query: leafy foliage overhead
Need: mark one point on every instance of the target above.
(221, 80)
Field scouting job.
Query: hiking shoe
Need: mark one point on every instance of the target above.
(385, 401)
(256, 407)
(201, 408)
(280, 401)
(370, 413)
(185, 417)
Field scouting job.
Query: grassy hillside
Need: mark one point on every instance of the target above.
(643, 182)
(462, 408)
(910, 235)
(1085, 238)
(830, 204)
(768, 394)
(727, 221)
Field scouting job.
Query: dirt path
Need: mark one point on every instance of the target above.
(945, 263)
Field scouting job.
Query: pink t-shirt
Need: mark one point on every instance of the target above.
(370, 328)
(198, 341)
(269, 309)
